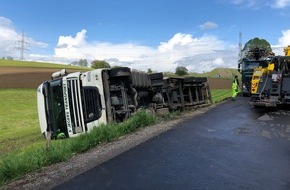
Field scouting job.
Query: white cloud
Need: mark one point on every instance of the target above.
(257, 4)
(7, 37)
(281, 3)
(252, 4)
(78, 48)
(208, 25)
(283, 41)
(68, 41)
(10, 40)
(202, 54)
(219, 61)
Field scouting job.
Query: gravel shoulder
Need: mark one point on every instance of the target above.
(51, 176)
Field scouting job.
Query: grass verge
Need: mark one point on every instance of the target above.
(219, 95)
(15, 165)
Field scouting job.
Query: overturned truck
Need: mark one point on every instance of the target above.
(75, 103)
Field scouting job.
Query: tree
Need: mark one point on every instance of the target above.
(257, 43)
(74, 63)
(83, 62)
(9, 58)
(97, 64)
(149, 70)
(257, 48)
(180, 71)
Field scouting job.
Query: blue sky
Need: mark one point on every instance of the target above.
(159, 34)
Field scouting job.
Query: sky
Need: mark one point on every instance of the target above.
(158, 34)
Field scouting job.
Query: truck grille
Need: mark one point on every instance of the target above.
(92, 104)
(74, 98)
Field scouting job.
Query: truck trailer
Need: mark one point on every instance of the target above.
(71, 104)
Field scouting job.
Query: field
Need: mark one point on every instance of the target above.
(18, 118)
(18, 107)
(21, 74)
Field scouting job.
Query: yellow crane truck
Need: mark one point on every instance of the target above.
(270, 86)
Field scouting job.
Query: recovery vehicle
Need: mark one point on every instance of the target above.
(254, 58)
(271, 85)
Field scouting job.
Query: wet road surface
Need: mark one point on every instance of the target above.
(232, 146)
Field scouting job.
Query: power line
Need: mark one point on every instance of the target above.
(22, 45)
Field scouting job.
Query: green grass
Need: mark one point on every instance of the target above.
(15, 165)
(222, 72)
(18, 119)
(219, 95)
(31, 64)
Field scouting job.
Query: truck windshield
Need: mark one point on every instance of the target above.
(250, 65)
(57, 116)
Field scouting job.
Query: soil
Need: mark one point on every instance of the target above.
(24, 77)
(54, 175)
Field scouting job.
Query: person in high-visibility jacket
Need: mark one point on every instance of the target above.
(235, 87)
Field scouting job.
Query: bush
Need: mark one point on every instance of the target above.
(180, 71)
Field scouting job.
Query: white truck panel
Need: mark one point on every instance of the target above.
(94, 78)
(41, 110)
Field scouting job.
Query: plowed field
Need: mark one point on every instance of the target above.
(24, 77)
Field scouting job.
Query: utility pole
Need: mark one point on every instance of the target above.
(22, 45)
(240, 45)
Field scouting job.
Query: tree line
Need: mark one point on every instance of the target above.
(98, 64)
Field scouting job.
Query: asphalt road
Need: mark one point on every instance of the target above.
(232, 146)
